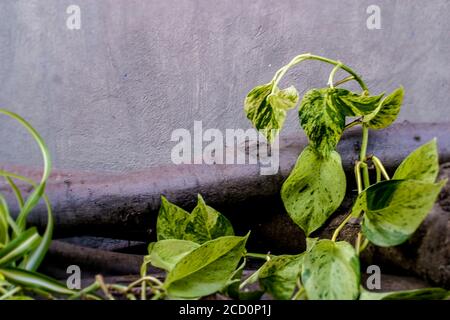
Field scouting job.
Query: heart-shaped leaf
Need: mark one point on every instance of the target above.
(165, 254)
(421, 164)
(171, 221)
(279, 275)
(331, 271)
(206, 269)
(387, 111)
(322, 119)
(394, 209)
(206, 223)
(314, 189)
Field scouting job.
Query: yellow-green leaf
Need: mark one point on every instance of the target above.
(165, 254)
(205, 223)
(421, 164)
(284, 99)
(207, 269)
(394, 209)
(314, 189)
(387, 111)
(264, 116)
(171, 221)
(331, 271)
(278, 276)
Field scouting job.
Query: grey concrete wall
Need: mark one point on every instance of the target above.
(107, 96)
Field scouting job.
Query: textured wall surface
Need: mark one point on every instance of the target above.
(108, 96)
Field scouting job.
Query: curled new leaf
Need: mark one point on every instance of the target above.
(267, 110)
(394, 209)
(314, 189)
(331, 271)
(387, 111)
(284, 99)
(206, 269)
(421, 164)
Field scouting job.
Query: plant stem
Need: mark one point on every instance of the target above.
(380, 167)
(362, 155)
(308, 56)
(258, 255)
(332, 73)
(342, 81)
(339, 228)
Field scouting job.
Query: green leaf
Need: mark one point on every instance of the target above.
(417, 294)
(206, 269)
(358, 105)
(322, 119)
(165, 254)
(206, 223)
(284, 99)
(314, 189)
(4, 226)
(331, 271)
(18, 247)
(394, 209)
(267, 114)
(421, 164)
(171, 221)
(34, 280)
(387, 111)
(279, 275)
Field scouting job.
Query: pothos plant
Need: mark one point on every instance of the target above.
(202, 255)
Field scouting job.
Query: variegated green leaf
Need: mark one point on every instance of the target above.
(386, 112)
(207, 269)
(358, 104)
(279, 275)
(314, 189)
(268, 115)
(165, 254)
(171, 221)
(417, 294)
(394, 209)
(322, 119)
(421, 164)
(284, 99)
(18, 247)
(36, 280)
(206, 223)
(4, 226)
(331, 271)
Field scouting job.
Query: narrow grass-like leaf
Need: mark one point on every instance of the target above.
(34, 280)
(18, 247)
